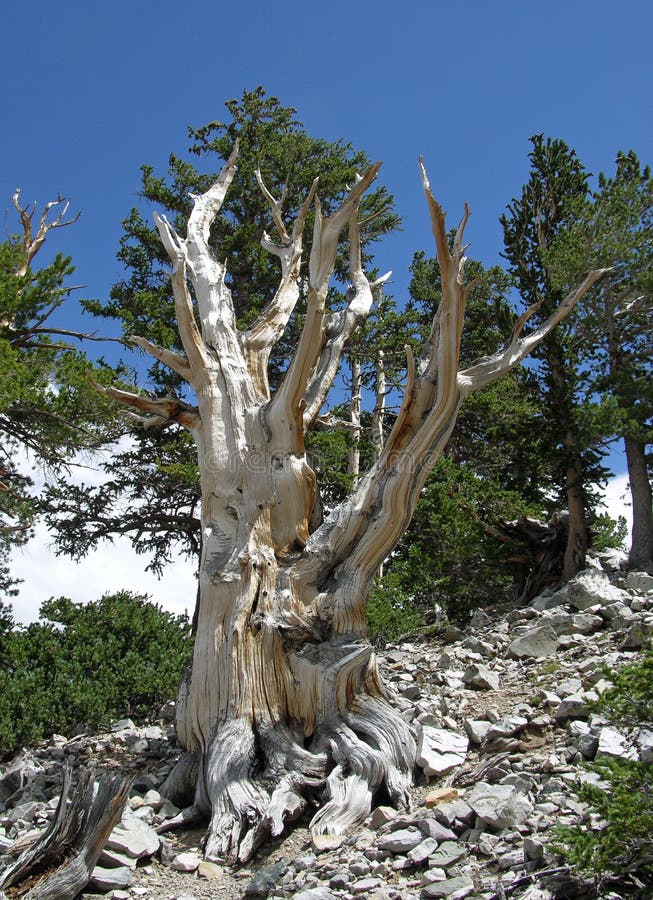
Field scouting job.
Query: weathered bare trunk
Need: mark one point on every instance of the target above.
(283, 698)
(378, 416)
(354, 464)
(60, 862)
(641, 550)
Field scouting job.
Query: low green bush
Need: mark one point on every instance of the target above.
(446, 559)
(391, 612)
(86, 664)
(614, 846)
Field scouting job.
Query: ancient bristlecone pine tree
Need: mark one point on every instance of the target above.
(283, 700)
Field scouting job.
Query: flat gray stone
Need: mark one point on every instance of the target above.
(547, 601)
(587, 744)
(640, 581)
(476, 729)
(572, 707)
(500, 805)
(447, 854)
(440, 750)
(365, 885)
(535, 643)
(402, 841)
(112, 858)
(586, 623)
(480, 619)
(454, 888)
(506, 727)
(569, 686)
(381, 816)
(533, 849)
(123, 725)
(422, 851)
(265, 879)
(110, 879)
(637, 636)
(133, 837)
(617, 614)
(316, 893)
(18, 773)
(432, 828)
(447, 813)
(481, 678)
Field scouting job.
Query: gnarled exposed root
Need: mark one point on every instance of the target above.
(373, 748)
(256, 778)
(230, 789)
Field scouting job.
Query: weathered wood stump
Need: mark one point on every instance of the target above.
(60, 862)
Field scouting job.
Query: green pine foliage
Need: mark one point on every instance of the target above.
(615, 845)
(496, 467)
(86, 664)
(547, 207)
(613, 228)
(448, 558)
(48, 410)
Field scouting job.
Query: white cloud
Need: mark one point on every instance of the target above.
(616, 499)
(112, 567)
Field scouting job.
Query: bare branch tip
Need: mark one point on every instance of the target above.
(382, 280)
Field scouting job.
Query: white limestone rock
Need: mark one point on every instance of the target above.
(535, 643)
(589, 588)
(640, 581)
(185, 862)
(614, 744)
(500, 805)
(644, 742)
(477, 729)
(20, 771)
(575, 706)
(481, 678)
(133, 837)
(123, 725)
(440, 750)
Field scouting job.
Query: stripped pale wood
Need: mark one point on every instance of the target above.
(284, 697)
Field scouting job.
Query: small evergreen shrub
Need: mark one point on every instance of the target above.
(446, 559)
(391, 612)
(86, 664)
(616, 844)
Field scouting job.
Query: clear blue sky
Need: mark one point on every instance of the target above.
(93, 90)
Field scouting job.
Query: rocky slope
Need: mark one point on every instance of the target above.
(501, 715)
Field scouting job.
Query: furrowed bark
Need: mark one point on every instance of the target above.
(641, 551)
(283, 701)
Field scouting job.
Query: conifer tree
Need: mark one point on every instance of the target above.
(546, 208)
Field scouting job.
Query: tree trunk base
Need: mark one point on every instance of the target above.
(254, 779)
